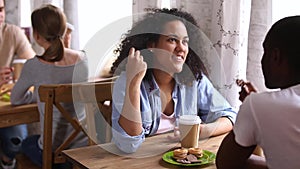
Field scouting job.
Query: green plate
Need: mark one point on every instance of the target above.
(207, 158)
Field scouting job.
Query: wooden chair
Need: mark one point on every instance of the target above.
(93, 95)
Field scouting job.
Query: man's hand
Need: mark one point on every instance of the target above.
(246, 89)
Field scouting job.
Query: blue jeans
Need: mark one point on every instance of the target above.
(32, 150)
(11, 139)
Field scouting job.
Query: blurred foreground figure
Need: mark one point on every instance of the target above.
(270, 119)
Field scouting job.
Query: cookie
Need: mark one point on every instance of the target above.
(180, 153)
(196, 151)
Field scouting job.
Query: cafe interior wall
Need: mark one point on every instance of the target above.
(12, 12)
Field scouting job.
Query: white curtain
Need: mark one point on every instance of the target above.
(138, 7)
(260, 22)
(71, 10)
(236, 29)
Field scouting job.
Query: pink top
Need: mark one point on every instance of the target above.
(166, 123)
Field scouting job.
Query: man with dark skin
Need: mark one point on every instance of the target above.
(270, 119)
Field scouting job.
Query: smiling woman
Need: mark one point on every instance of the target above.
(162, 77)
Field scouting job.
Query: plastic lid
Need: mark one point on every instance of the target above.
(189, 119)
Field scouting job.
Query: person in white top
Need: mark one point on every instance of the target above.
(270, 119)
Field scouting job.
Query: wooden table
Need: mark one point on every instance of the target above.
(14, 115)
(149, 155)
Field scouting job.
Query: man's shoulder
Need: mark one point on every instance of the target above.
(78, 55)
(275, 97)
(8, 26)
(10, 29)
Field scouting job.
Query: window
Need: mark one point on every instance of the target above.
(281, 9)
(25, 13)
(95, 15)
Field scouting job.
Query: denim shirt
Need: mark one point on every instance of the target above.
(199, 98)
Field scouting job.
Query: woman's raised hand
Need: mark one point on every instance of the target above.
(136, 66)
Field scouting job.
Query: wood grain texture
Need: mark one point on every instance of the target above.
(149, 155)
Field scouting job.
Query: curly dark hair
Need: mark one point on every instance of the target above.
(149, 29)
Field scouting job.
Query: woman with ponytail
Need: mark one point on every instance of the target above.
(56, 65)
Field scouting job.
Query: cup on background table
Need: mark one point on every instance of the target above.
(258, 151)
(17, 64)
(189, 127)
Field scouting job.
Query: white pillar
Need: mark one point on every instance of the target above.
(71, 11)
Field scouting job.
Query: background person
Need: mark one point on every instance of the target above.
(68, 35)
(13, 43)
(49, 26)
(161, 78)
(270, 119)
(16, 44)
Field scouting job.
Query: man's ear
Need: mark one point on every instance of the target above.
(277, 56)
